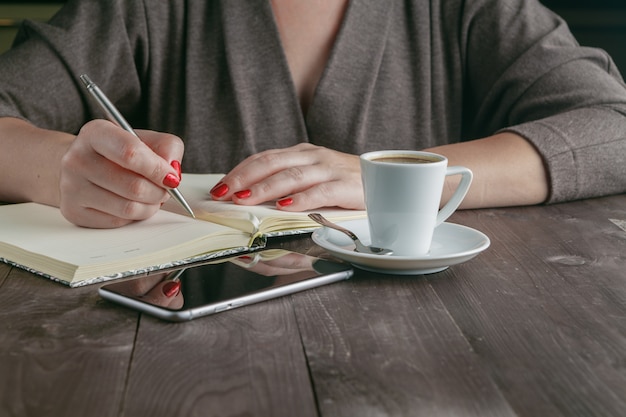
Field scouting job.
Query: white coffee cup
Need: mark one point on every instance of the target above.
(402, 196)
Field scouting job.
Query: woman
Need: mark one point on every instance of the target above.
(300, 89)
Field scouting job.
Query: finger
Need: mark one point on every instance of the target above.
(96, 183)
(166, 294)
(271, 155)
(282, 183)
(169, 147)
(334, 178)
(129, 152)
(288, 263)
(258, 167)
(92, 218)
(139, 287)
(329, 194)
(123, 183)
(293, 262)
(99, 208)
(118, 206)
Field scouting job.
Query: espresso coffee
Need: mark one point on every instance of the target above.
(405, 159)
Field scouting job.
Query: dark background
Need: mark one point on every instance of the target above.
(598, 23)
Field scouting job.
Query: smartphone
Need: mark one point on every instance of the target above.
(200, 290)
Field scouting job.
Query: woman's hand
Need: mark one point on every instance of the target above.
(302, 177)
(110, 178)
(275, 262)
(157, 289)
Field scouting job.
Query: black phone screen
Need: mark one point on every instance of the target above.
(225, 284)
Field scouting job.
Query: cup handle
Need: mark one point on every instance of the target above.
(459, 194)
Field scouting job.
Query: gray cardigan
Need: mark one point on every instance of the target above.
(402, 74)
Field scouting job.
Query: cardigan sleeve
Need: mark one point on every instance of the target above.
(39, 75)
(523, 66)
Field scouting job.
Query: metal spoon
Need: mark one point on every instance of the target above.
(360, 247)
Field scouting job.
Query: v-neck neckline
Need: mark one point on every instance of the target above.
(305, 79)
(260, 71)
(342, 97)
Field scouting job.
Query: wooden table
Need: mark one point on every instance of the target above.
(534, 326)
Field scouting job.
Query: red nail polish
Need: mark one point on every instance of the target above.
(171, 289)
(171, 181)
(177, 167)
(219, 190)
(285, 202)
(243, 194)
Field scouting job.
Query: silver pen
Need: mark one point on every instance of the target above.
(116, 117)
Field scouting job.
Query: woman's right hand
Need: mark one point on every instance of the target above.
(109, 178)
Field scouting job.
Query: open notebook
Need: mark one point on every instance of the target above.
(37, 238)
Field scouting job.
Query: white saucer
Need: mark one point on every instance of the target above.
(452, 244)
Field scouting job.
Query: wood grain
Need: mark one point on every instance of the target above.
(63, 352)
(546, 310)
(248, 361)
(534, 326)
(387, 346)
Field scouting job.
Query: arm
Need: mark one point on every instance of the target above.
(546, 118)
(31, 166)
(104, 177)
(96, 173)
(508, 171)
(528, 76)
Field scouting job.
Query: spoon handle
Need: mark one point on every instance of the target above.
(318, 218)
(360, 247)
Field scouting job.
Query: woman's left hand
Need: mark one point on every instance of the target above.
(302, 177)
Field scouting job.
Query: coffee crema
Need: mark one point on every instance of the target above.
(405, 159)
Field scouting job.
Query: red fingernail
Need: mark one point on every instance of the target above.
(177, 167)
(171, 289)
(219, 190)
(171, 181)
(243, 194)
(285, 202)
